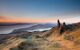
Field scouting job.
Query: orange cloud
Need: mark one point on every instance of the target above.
(1, 17)
(28, 20)
(37, 20)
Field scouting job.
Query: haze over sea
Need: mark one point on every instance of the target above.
(8, 29)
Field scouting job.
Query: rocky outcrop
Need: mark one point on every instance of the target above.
(61, 29)
(55, 30)
(59, 24)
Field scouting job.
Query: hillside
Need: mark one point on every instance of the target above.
(11, 42)
(61, 37)
(63, 29)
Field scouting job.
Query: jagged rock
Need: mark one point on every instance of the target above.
(59, 24)
(64, 24)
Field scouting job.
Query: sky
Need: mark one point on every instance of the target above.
(39, 11)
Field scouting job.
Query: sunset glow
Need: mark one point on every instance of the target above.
(30, 11)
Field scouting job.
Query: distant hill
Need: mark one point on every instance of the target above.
(12, 24)
(37, 26)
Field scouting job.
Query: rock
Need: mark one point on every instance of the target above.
(59, 24)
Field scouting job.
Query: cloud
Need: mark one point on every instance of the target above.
(3, 18)
(72, 20)
(39, 20)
